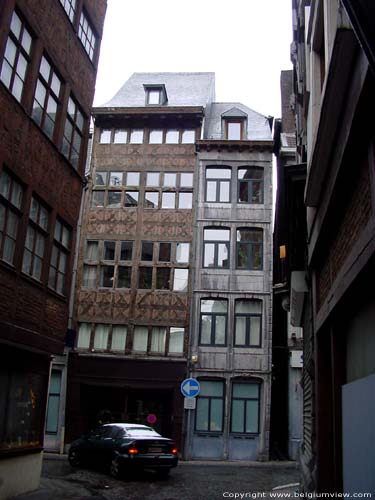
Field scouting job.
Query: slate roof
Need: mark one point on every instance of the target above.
(183, 89)
(258, 128)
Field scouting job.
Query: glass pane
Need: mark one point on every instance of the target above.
(176, 340)
(224, 191)
(89, 276)
(168, 200)
(105, 136)
(188, 137)
(17, 88)
(21, 67)
(245, 390)
(5, 182)
(202, 414)
(222, 255)
(6, 74)
(101, 178)
(214, 306)
(126, 250)
(92, 250)
(37, 267)
(238, 415)
(153, 96)
(158, 336)
(65, 237)
(257, 256)
(211, 388)
(165, 252)
(140, 339)
(109, 249)
(119, 333)
(248, 306)
(172, 137)
(186, 180)
(43, 218)
(243, 193)
(151, 199)
(220, 330)
(97, 199)
(240, 335)
(163, 278)
(255, 322)
(39, 245)
(120, 136)
(132, 179)
(10, 51)
(62, 262)
(216, 423)
(242, 256)
(45, 69)
(250, 235)
(26, 41)
(206, 327)
(156, 137)
(40, 94)
(169, 180)
(101, 337)
(147, 251)
(114, 199)
(131, 198)
(8, 254)
(136, 136)
(12, 224)
(56, 85)
(107, 276)
(115, 178)
(124, 277)
(180, 282)
(185, 200)
(182, 252)
(145, 278)
(210, 190)
(17, 193)
(218, 173)
(153, 179)
(16, 25)
(252, 413)
(2, 218)
(250, 173)
(26, 262)
(234, 131)
(216, 234)
(52, 414)
(55, 382)
(257, 192)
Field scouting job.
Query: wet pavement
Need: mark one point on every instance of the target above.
(189, 481)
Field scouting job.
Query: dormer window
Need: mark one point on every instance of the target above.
(234, 124)
(156, 95)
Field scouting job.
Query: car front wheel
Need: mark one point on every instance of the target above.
(74, 458)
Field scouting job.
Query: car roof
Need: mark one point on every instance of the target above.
(131, 426)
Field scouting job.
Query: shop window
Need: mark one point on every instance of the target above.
(249, 249)
(245, 408)
(218, 184)
(213, 322)
(248, 323)
(210, 406)
(250, 185)
(216, 247)
(11, 194)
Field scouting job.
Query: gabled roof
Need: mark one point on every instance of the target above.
(183, 89)
(258, 126)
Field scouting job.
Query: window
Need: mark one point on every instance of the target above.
(84, 335)
(124, 277)
(47, 98)
(248, 323)
(147, 252)
(186, 179)
(145, 278)
(36, 238)
(153, 179)
(73, 132)
(105, 136)
(70, 8)
(155, 95)
(151, 199)
(11, 194)
(218, 184)
(176, 340)
(115, 178)
(114, 199)
(59, 259)
(216, 247)
(164, 252)
(250, 249)
(101, 178)
(180, 282)
(172, 137)
(86, 35)
(245, 408)
(140, 338)
(126, 250)
(250, 185)
(234, 130)
(136, 136)
(131, 199)
(16, 57)
(118, 342)
(132, 178)
(97, 199)
(169, 180)
(156, 137)
(53, 402)
(213, 322)
(188, 137)
(120, 136)
(168, 200)
(163, 278)
(182, 253)
(158, 336)
(101, 337)
(210, 406)
(107, 276)
(185, 200)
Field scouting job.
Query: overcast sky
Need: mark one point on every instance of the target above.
(246, 43)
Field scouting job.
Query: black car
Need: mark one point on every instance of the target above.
(124, 448)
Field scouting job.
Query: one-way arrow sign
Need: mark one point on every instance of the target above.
(190, 388)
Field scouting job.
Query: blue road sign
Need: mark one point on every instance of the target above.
(190, 388)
